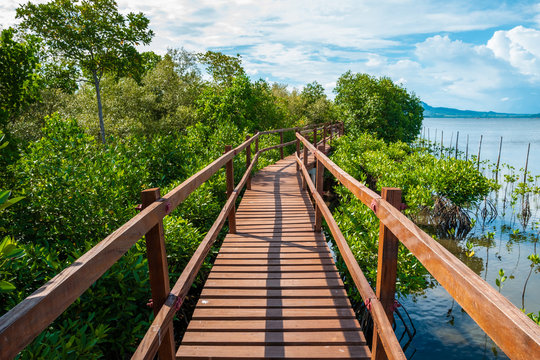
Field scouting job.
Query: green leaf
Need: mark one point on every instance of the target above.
(6, 286)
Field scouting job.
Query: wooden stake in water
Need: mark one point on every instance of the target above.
(467, 149)
(498, 162)
(450, 144)
(442, 141)
(526, 164)
(479, 149)
(457, 140)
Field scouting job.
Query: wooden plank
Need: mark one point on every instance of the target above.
(273, 352)
(274, 338)
(278, 248)
(275, 325)
(275, 255)
(274, 283)
(279, 293)
(273, 268)
(274, 275)
(331, 302)
(280, 262)
(272, 313)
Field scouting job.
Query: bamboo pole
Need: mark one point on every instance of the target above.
(457, 143)
(479, 149)
(498, 161)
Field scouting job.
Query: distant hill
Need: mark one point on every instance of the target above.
(444, 112)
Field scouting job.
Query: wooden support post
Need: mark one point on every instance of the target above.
(342, 129)
(319, 187)
(386, 270)
(324, 138)
(315, 137)
(257, 144)
(159, 272)
(248, 162)
(229, 168)
(297, 149)
(305, 159)
(281, 143)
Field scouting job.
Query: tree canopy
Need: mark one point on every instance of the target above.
(91, 33)
(19, 79)
(379, 106)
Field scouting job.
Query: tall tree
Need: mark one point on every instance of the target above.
(91, 33)
(19, 79)
(379, 106)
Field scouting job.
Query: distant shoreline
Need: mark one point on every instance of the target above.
(514, 116)
(443, 112)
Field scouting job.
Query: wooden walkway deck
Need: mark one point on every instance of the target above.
(274, 291)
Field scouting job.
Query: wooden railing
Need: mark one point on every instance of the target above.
(509, 327)
(29, 318)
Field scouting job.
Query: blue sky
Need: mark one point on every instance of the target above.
(478, 55)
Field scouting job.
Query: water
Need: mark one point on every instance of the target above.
(516, 133)
(444, 330)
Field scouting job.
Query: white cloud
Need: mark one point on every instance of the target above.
(520, 47)
(297, 42)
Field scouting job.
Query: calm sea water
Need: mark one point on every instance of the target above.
(516, 133)
(443, 329)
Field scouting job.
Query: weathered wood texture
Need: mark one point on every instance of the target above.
(158, 271)
(274, 291)
(516, 334)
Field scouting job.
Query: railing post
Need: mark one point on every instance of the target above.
(386, 269)
(248, 162)
(229, 170)
(297, 148)
(319, 188)
(257, 143)
(159, 272)
(305, 160)
(324, 138)
(281, 142)
(315, 137)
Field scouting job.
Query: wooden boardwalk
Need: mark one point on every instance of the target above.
(274, 291)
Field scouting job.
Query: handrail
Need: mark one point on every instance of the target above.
(20, 325)
(504, 323)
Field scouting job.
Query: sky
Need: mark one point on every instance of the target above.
(477, 55)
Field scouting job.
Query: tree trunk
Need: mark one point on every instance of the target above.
(100, 110)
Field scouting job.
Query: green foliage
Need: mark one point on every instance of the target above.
(92, 34)
(66, 173)
(500, 279)
(19, 79)
(248, 105)
(221, 67)
(420, 175)
(360, 227)
(378, 106)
